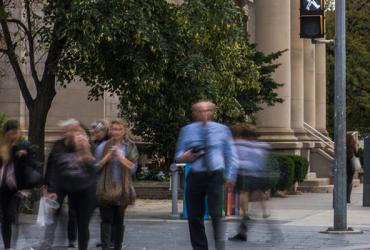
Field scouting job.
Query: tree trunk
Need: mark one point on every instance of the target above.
(37, 122)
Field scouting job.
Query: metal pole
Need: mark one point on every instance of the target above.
(174, 190)
(340, 201)
(366, 168)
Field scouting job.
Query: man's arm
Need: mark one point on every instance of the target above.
(183, 154)
(49, 176)
(231, 158)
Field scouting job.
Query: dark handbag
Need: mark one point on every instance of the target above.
(27, 166)
(31, 177)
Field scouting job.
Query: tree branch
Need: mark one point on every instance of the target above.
(20, 23)
(13, 59)
(54, 54)
(31, 46)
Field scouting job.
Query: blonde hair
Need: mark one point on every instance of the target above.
(119, 122)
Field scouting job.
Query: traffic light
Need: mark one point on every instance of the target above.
(312, 19)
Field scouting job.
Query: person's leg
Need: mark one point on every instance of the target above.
(83, 203)
(214, 192)
(72, 225)
(349, 186)
(106, 214)
(112, 233)
(118, 227)
(9, 206)
(263, 198)
(243, 226)
(195, 200)
(49, 234)
(244, 198)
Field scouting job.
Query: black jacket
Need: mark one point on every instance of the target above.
(65, 172)
(22, 163)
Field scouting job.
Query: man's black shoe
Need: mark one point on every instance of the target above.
(238, 237)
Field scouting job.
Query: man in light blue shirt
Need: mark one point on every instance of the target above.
(208, 147)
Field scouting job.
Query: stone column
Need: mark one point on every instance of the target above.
(297, 91)
(273, 34)
(309, 83)
(320, 75)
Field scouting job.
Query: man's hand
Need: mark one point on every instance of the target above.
(229, 184)
(188, 156)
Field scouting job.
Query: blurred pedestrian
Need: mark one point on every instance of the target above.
(253, 176)
(351, 152)
(100, 132)
(71, 170)
(15, 158)
(117, 161)
(207, 146)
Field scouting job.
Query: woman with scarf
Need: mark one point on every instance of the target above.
(117, 161)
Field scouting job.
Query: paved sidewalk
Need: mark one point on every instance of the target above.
(295, 223)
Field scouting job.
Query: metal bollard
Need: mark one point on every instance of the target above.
(366, 167)
(175, 189)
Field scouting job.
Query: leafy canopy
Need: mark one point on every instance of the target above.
(358, 65)
(159, 58)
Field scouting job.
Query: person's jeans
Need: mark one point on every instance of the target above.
(82, 203)
(112, 218)
(200, 185)
(9, 205)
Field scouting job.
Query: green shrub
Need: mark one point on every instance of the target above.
(273, 170)
(300, 167)
(2, 121)
(286, 167)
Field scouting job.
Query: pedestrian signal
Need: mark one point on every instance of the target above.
(312, 19)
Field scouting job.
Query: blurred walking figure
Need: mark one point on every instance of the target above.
(71, 170)
(207, 145)
(351, 152)
(15, 157)
(253, 176)
(117, 161)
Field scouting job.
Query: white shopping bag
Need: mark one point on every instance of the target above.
(45, 214)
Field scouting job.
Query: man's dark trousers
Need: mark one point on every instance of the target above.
(200, 185)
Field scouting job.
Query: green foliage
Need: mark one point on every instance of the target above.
(159, 58)
(2, 121)
(300, 167)
(358, 64)
(26, 205)
(286, 167)
(273, 169)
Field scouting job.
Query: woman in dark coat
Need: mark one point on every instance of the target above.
(351, 152)
(14, 158)
(72, 171)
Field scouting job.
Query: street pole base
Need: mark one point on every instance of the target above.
(349, 230)
(175, 216)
